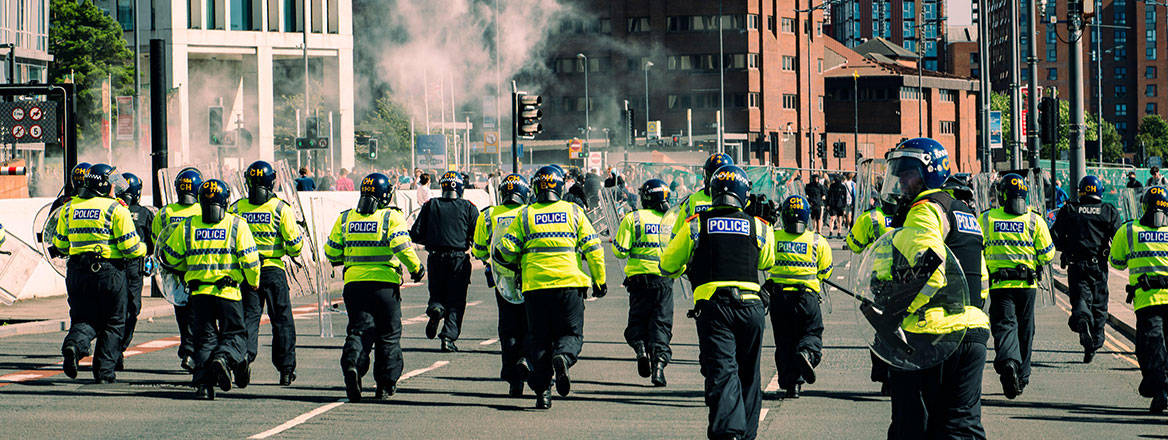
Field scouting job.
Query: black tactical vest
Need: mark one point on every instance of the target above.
(726, 248)
(964, 239)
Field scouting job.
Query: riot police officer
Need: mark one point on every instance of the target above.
(699, 200)
(943, 400)
(135, 268)
(273, 226)
(492, 224)
(76, 185)
(722, 254)
(1017, 245)
(544, 244)
(1140, 246)
(445, 226)
(215, 252)
(802, 259)
(1082, 232)
(186, 188)
(97, 233)
(640, 240)
(372, 243)
(870, 226)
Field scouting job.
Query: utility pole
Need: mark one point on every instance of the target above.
(1015, 88)
(137, 83)
(984, 89)
(1032, 140)
(1075, 35)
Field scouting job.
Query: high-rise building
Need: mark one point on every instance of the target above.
(24, 24)
(908, 23)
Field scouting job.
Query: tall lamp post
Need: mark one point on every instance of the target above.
(648, 64)
(809, 27)
(587, 106)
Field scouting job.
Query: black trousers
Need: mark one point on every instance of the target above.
(1087, 285)
(374, 310)
(219, 333)
(797, 322)
(943, 402)
(134, 276)
(273, 292)
(555, 319)
(512, 336)
(730, 353)
(186, 330)
(1012, 324)
(650, 315)
(97, 310)
(1152, 349)
(449, 279)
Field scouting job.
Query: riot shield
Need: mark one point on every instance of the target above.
(169, 283)
(985, 191)
(896, 272)
(668, 221)
(18, 260)
(321, 213)
(305, 273)
(867, 185)
(46, 221)
(506, 280)
(1129, 203)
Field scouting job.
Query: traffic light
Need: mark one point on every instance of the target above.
(821, 149)
(312, 127)
(1048, 120)
(529, 114)
(372, 148)
(215, 125)
(839, 150)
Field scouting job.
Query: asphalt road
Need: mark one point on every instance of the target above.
(459, 396)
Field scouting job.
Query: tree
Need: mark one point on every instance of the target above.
(390, 124)
(1112, 143)
(87, 47)
(1153, 134)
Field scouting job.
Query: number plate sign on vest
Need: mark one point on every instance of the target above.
(86, 214)
(719, 225)
(967, 223)
(210, 234)
(548, 218)
(1007, 226)
(258, 218)
(1153, 237)
(791, 247)
(362, 227)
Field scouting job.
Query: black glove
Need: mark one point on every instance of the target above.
(56, 253)
(417, 275)
(599, 290)
(490, 276)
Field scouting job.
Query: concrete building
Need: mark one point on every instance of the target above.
(24, 24)
(248, 57)
(908, 23)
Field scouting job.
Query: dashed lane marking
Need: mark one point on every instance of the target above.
(489, 341)
(773, 386)
(1120, 349)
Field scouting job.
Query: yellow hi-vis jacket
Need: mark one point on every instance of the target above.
(680, 250)
(372, 246)
(1143, 251)
(273, 225)
(209, 253)
(1013, 240)
(694, 203)
(801, 259)
(640, 239)
(172, 213)
(547, 239)
(870, 226)
(98, 225)
(493, 222)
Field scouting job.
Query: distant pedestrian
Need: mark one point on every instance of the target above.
(1157, 179)
(305, 182)
(423, 188)
(815, 193)
(344, 183)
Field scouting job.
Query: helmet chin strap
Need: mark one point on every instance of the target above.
(449, 194)
(547, 196)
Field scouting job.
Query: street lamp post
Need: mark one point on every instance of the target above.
(587, 106)
(809, 27)
(648, 64)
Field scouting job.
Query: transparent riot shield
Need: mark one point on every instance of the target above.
(46, 224)
(305, 273)
(897, 271)
(18, 260)
(1128, 203)
(868, 185)
(506, 280)
(233, 178)
(169, 283)
(985, 191)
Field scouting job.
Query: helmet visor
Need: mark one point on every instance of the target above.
(118, 183)
(904, 176)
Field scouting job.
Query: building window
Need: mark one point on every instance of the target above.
(637, 24)
(790, 101)
(1150, 108)
(1051, 54)
(948, 127)
(752, 60)
(125, 15)
(751, 21)
(241, 15)
(1120, 73)
(1120, 52)
(910, 9)
(974, 72)
(788, 25)
(1052, 74)
(820, 64)
(1150, 90)
(973, 59)
(752, 99)
(735, 61)
(771, 23)
(948, 95)
(1120, 91)
(788, 62)
(1150, 72)
(1150, 51)
(1121, 109)
(1121, 127)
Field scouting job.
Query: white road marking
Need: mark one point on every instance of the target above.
(762, 414)
(1121, 349)
(18, 377)
(329, 406)
(592, 299)
(489, 341)
(416, 319)
(160, 343)
(773, 386)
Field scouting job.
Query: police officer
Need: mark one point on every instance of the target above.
(722, 254)
(1140, 247)
(97, 233)
(186, 188)
(867, 228)
(273, 226)
(1082, 232)
(1017, 245)
(216, 253)
(76, 185)
(544, 244)
(699, 201)
(944, 400)
(641, 240)
(135, 268)
(445, 226)
(492, 224)
(372, 243)
(802, 259)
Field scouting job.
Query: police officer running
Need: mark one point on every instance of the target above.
(699, 200)
(273, 226)
(97, 234)
(492, 224)
(1141, 247)
(640, 240)
(722, 254)
(1017, 245)
(544, 244)
(445, 226)
(372, 243)
(802, 259)
(944, 400)
(135, 268)
(186, 188)
(1082, 232)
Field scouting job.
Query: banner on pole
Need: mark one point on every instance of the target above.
(105, 113)
(125, 127)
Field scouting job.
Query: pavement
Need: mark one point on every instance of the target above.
(458, 395)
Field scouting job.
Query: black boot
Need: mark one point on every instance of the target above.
(385, 391)
(518, 379)
(563, 382)
(185, 364)
(70, 364)
(448, 346)
(1159, 403)
(1088, 343)
(435, 314)
(643, 365)
(658, 374)
(221, 374)
(243, 374)
(1011, 386)
(286, 377)
(806, 368)
(543, 400)
(793, 392)
(352, 385)
(204, 392)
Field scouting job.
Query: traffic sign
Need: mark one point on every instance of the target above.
(575, 149)
(18, 118)
(18, 114)
(18, 131)
(35, 131)
(35, 113)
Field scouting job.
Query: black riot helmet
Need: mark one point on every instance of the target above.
(261, 182)
(1155, 204)
(451, 184)
(187, 184)
(796, 214)
(77, 176)
(1090, 189)
(133, 192)
(729, 186)
(214, 194)
(376, 193)
(1012, 192)
(715, 161)
(99, 181)
(549, 184)
(654, 195)
(514, 190)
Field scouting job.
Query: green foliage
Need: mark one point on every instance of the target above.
(1112, 143)
(87, 46)
(1153, 134)
(390, 124)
